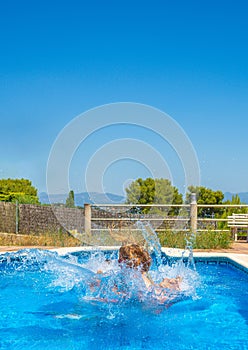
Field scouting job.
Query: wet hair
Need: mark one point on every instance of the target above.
(134, 256)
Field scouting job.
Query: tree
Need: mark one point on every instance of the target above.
(70, 202)
(234, 201)
(21, 190)
(206, 196)
(153, 191)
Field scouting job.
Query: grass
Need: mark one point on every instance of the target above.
(202, 240)
(172, 239)
(213, 240)
(110, 237)
(168, 238)
(57, 239)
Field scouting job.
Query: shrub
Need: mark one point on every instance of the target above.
(172, 239)
(202, 240)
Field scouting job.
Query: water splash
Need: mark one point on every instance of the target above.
(97, 278)
(190, 240)
(152, 241)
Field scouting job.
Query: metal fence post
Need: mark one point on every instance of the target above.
(87, 218)
(193, 213)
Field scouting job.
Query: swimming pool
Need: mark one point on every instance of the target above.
(41, 307)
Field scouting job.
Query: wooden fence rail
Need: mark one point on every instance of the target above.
(35, 219)
(102, 216)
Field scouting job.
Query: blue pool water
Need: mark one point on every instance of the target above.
(47, 303)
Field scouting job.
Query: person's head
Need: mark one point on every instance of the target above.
(135, 257)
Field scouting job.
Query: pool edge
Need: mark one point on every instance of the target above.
(238, 260)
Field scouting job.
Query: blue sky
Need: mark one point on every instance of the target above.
(187, 58)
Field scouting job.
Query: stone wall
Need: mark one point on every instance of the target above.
(36, 219)
(7, 217)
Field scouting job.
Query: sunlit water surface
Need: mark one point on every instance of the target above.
(49, 302)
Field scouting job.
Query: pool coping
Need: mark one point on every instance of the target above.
(238, 260)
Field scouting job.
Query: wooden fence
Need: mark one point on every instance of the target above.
(122, 216)
(35, 219)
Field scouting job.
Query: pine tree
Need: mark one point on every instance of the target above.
(21, 190)
(70, 202)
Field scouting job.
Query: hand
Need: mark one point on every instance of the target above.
(171, 283)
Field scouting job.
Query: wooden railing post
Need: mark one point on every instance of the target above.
(193, 213)
(87, 218)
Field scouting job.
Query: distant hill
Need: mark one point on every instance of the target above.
(242, 195)
(82, 198)
(106, 198)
